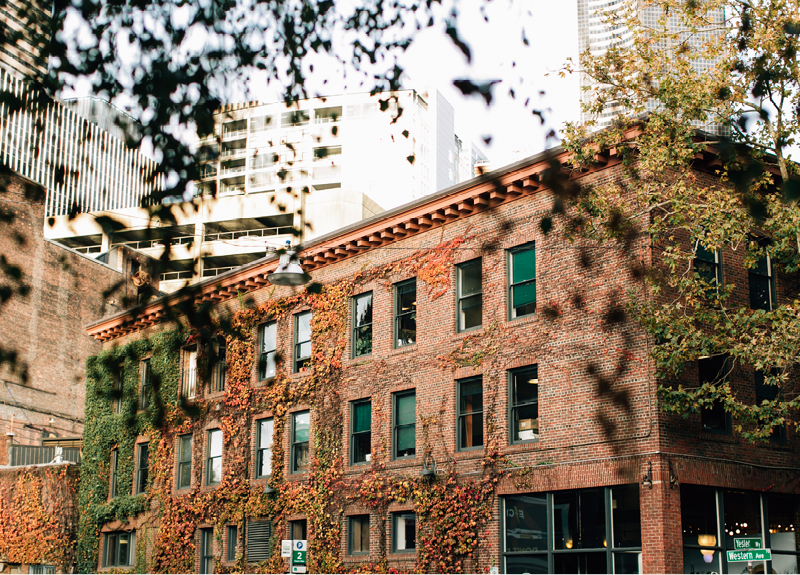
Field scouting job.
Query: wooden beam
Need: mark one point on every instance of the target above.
(424, 222)
(464, 207)
(411, 227)
(513, 190)
(399, 230)
(387, 235)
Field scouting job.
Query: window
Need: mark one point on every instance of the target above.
(214, 459)
(362, 325)
(766, 391)
(119, 549)
(184, 461)
(361, 431)
(469, 295)
(42, 569)
(301, 422)
(405, 424)
(207, 550)
(470, 413)
(762, 285)
(405, 313)
(298, 529)
(708, 265)
(714, 370)
(147, 383)
(231, 543)
(302, 340)
(112, 488)
(358, 542)
(219, 367)
(269, 343)
(190, 376)
(116, 395)
(524, 404)
(522, 281)
(404, 532)
(259, 533)
(142, 467)
(264, 448)
(583, 531)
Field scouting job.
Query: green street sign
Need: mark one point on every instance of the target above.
(299, 557)
(750, 555)
(747, 543)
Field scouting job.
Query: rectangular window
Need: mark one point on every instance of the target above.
(42, 569)
(268, 334)
(113, 488)
(190, 376)
(404, 532)
(524, 404)
(118, 375)
(708, 265)
(362, 325)
(405, 424)
(714, 370)
(405, 313)
(214, 458)
(769, 392)
(298, 529)
(301, 424)
(142, 466)
(358, 541)
(207, 550)
(264, 447)
(147, 384)
(522, 281)
(762, 285)
(302, 340)
(361, 431)
(259, 532)
(184, 461)
(231, 543)
(469, 296)
(470, 413)
(119, 549)
(219, 367)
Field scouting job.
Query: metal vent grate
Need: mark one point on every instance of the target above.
(258, 537)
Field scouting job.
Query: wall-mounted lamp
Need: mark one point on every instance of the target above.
(428, 471)
(268, 490)
(647, 478)
(289, 272)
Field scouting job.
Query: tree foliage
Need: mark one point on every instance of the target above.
(729, 69)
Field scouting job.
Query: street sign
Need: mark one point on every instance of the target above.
(286, 548)
(750, 555)
(299, 550)
(298, 568)
(747, 543)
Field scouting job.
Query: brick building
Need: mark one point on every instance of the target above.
(42, 389)
(459, 391)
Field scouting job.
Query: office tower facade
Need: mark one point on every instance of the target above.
(602, 24)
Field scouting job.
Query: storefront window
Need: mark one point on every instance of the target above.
(784, 516)
(593, 531)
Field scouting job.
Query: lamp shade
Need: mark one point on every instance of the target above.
(289, 272)
(710, 541)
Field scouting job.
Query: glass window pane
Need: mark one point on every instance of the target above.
(362, 416)
(304, 350)
(579, 519)
(471, 312)
(363, 310)
(523, 266)
(580, 563)
(625, 514)
(471, 276)
(526, 386)
(699, 526)
(265, 433)
(471, 396)
(215, 470)
(362, 447)
(406, 409)
(742, 515)
(363, 340)
(759, 291)
(526, 564)
(526, 422)
(300, 462)
(406, 298)
(405, 532)
(269, 337)
(522, 296)
(784, 518)
(526, 523)
(406, 441)
(304, 326)
(185, 479)
(215, 443)
(471, 430)
(302, 423)
(407, 329)
(630, 562)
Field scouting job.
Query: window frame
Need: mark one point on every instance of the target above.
(142, 471)
(395, 516)
(301, 362)
(260, 451)
(399, 314)
(460, 297)
(351, 520)
(219, 369)
(510, 253)
(771, 284)
(210, 458)
(113, 484)
(146, 383)
(182, 463)
(189, 383)
(356, 328)
(765, 392)
(119, 381)
(513, 405)
(725, 367)
(459, 415)
(354, 433)
(717, 263)
(395, 397)
(263, 356)
(130, 536)
(207, 550)
(231, 542)
(294, 444)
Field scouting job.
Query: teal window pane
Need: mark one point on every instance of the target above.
(524, 294)
(523, 266)
(406, 439)
(406, 409)
(302, 423)
(362, 417)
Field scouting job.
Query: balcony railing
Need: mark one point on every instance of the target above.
(189, 386)
(232, 152)
(232, 170)
(88, 249)
(158, 243)
(258, 233)
(184, 275)
(37, 454)
(234, 133)
(211, 272)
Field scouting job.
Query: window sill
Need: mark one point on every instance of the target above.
(721, 437)
(360, 360)
(462, 334)
(405, 349)
(519, 321)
